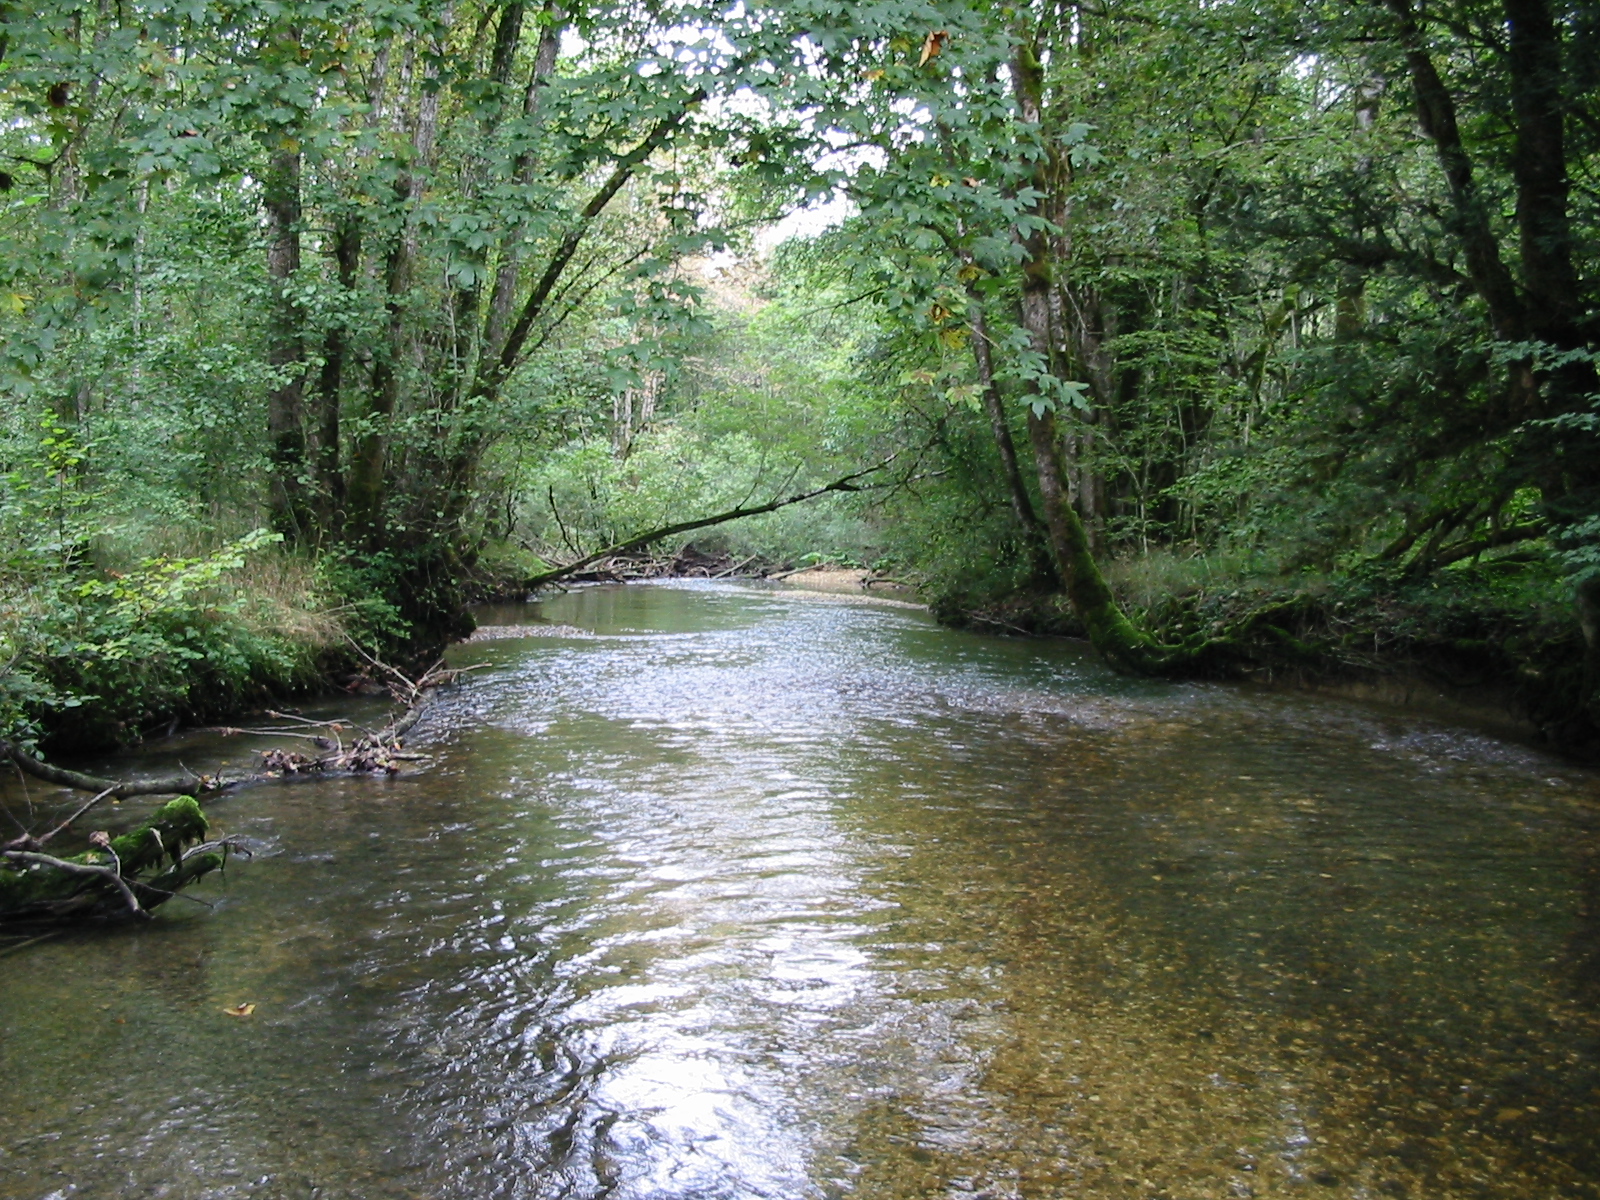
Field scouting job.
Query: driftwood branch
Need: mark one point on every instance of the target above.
(375, 752)
(167, 785)
(147, 867)
(847, 483)
(83, 808)
(150, 864)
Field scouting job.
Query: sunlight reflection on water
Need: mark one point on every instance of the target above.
(719, 892)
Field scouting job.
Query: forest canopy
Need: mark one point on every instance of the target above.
(1234, 336)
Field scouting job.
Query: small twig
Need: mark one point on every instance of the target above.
(736, 567)
(412, 691)
(330, 725)
(27, 796)
(382, 666)
(796, 570)
(224, 844)
(85, 808)
(263, 731)
(550, 495)
(283, 716)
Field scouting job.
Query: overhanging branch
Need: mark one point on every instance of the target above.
(847, 483)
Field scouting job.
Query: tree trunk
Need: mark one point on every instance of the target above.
(330, 383)
(469, 299)
(1000, 428)
(286, 350)
(503, 300)
(1564, 462)
(1081, 324)
(1539, 165)
(1110, 632)
(368, 488)
(1436, 112)
(1116, 639)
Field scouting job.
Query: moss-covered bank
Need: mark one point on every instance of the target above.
(1493, 637)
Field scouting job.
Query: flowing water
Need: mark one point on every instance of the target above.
(716, 892)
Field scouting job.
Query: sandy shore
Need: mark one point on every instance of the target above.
(848, 581)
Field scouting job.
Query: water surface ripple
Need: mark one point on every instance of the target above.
(714, 892)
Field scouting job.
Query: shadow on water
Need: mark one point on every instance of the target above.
(719, 892)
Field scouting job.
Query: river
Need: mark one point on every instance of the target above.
(718, 892)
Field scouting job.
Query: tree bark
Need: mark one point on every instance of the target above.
(1539, 165)
(1113, 636)
(1080, 321)
(1436, 111)
(469, 299)
(1563, 462)
(504, 296)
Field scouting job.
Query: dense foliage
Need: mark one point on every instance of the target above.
(1251, 334)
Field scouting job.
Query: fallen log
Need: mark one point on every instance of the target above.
(124, 877)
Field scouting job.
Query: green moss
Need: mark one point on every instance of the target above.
(176, 824)
(38, 891)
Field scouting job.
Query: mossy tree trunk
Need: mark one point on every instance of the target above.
(1117, 639)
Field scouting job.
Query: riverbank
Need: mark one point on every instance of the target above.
(197, 641)
(101, 654)
(1492, 643)
(106, 651)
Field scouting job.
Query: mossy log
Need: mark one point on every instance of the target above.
(125, 877)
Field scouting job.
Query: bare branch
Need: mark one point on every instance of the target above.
(845, 484)
(106, 873)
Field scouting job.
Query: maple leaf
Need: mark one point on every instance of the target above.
(933, 46)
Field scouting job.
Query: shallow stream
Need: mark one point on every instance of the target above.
(715, 892)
